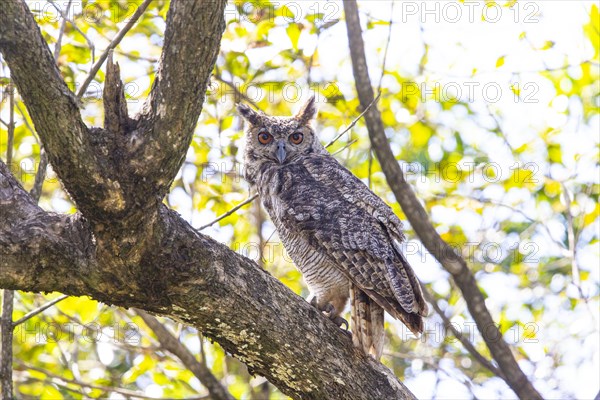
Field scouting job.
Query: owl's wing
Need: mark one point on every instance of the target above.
(339, 216)
(328, 169)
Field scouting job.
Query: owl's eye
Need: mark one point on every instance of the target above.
(264, 137)
(296, 137)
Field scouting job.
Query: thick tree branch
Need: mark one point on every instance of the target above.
(174, 346)
(49, 244)
(54, 110)
(419, 219)
(191, 44)
(193, 279)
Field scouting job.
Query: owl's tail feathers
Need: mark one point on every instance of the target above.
(367, 323)
(412, 318)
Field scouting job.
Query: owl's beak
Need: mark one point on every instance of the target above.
(280, 153)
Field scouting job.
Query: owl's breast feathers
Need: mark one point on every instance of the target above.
(321, 202)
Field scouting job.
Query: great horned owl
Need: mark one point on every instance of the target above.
(340, 235)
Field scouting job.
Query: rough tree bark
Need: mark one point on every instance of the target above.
(416, 214)
(125, 248)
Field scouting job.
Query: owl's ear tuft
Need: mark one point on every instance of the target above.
(250, 115)
(308, 111)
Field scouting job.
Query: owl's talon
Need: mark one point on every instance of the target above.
(329, 311)
(347, 333)
(339, 321)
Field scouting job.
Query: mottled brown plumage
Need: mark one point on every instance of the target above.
(341, 236)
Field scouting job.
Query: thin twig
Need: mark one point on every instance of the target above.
(26, 122)
(354, 121)
(515, 210)
(228, 213)
(11, 123)
(429, 361)
(137, 57)
(572, 243)
(237, 92)
(65, 17)
(38, 310)
(499, 129)
(136, 15)
(108, 389)
(266, 242)
(467, 345)
(169, 342)
(523, 214)
(259, 220)
(387, 46)
(350, 143)
(40, 176)
(63, 25)
(370, 167)
(202, 351)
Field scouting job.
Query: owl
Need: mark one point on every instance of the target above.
(341, 236)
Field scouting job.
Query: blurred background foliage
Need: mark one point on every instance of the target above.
(494, 116)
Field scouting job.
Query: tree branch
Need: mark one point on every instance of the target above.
(169, 116)
(49, 244)
(228, 213)
(54, 110)
(354, 121)
(195, 280)
(65, 17)
(419, 219)
(39, 310)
